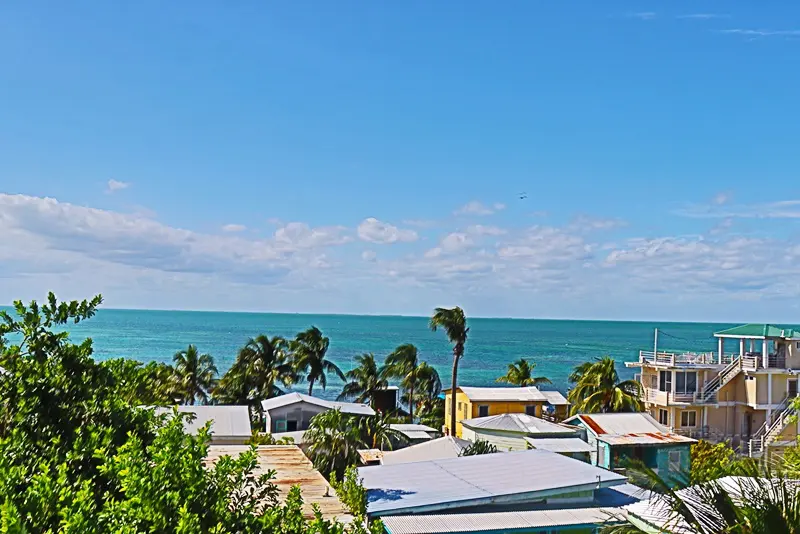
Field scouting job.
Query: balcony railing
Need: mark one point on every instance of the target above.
(684, 358)
(666, 398)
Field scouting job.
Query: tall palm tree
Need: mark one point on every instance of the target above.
(309, 349)
(196, 374)
(333, 440)
(598, 389)
(520, 373)
(364, 380)
(402, 363)
(454, 324)
(260, 367)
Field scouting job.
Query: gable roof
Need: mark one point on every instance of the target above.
(226, 421)
(760, 331)
(555, 398)
(562, 445)
(628, 429)
(352, 408)
(435, 449)
(518, 422)
(502, 394)
(471, 481)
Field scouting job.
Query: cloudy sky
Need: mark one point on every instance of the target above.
(536, 160)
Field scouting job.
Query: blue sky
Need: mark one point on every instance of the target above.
(361, 157)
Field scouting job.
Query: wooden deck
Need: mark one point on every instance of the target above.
(292, 468)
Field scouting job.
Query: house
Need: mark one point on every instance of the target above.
(616, 438)
(508, 431)
(415, 433)
(522, 491)
(385, 400)
(472, 402)
(743, 397)
(229, 424)
(291, 468)
(435, 449)
(293, 412)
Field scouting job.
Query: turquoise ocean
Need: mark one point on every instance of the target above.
(555, 345)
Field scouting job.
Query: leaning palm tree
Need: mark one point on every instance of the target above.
(520, 373)
(598, 389)
(454, 324)
(333, 440)
(402, 364)
(195, 373)
(308, 350)
(364, 380)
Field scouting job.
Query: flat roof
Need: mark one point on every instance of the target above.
(563, 445)
(292, 468)
(352, 408)
(226, 421)
(468, 481)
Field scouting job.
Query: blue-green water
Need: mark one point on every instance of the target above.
(556, 346)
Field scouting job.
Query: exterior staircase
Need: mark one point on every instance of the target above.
(709, 392)
(782, 416)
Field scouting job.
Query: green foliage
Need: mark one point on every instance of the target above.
(711, 461)
(153, 384)
(520, 373)
(790, 462)
(431, 413)
(598, 389)
(261, 438)
(364, 380)
(402, 364)
(195, 375)
(309, 349)
(454, 323)
(333, 440)
(351, 492)
(479, 447)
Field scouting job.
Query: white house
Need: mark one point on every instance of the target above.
(230, 425)
(293, 412)
(508, 431)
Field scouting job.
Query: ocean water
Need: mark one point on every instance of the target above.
(555, 345)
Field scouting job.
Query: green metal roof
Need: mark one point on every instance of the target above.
(760, 331)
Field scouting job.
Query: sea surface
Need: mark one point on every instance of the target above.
(555, 345)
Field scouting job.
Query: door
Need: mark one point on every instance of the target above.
(791, 386)
(747, 425)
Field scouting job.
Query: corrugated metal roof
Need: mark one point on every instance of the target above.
(564, 445)
(294, 397)
(291, 468)
(435, 449)
(629, 429)
(500, 478)
(503, 394)
(226, 421)
(651, 438)
(755, 330)
(519, 422)
(555, 398)
(497, 521)
(402, 427)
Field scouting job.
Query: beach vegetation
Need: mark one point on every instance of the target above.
(333, 440)
(195, 375)
(429, 406)
(520, 373)
(402, 364)
(309, 350)
(364, 380)
(454, 323)
(598, 389)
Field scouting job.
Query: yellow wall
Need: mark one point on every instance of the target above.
(469, 409)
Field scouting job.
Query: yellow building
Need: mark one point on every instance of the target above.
(744, 397)
(474, 402)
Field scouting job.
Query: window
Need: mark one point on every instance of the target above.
(689, 418)
(483, 410)
(663, 417)
(654, 381)
(530, 409)
(291, 426)
(665, 380)
(459, 406)
(466, 412)
(685, 381)
(791, 388)
(674, 460)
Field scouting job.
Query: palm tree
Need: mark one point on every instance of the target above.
(309, 349)
(427, 388)
(260, 366)
(196, 374)
(599, 390)
(365, 380)
(333, 440)
(375, 431)
(479, 447)
(520, 373)
(402, 363)
(454, 324)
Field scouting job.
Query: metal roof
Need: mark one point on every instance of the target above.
(226, 421)
(519, 422)
(469, 481)
(352, 408)
(565, 445)
(402, 427)
(653, 438)
(435, 449)
(291, 468)
(760, 331)
(497, 521)
(526, 394)
(555, 398)
(628, 429)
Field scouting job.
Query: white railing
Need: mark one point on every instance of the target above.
(683, 358)
(785, 414)
(710, 389)
(665, 398)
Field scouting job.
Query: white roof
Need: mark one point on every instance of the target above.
(469, 481)
(496, 521)
(352, 408)
(555, 398)
(414, 432)
(629, 429)
(435, 449)
(226, 421)
(519, 422)
(503, 394)
(565, 445)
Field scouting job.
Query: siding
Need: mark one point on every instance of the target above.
(504, 441)
(469, 409)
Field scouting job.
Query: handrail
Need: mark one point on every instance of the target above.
(684, 358)
(715, 384)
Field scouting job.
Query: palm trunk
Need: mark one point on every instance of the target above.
(411, 396)
(310, 387)
(453, 396)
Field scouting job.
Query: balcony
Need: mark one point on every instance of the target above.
(681, 359)
(667, 398)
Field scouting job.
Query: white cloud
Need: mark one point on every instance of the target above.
(762, 32)
(644, 15)
(375, 231)
(478, 208)
(583, 223)
(116, 185)
(234, 228)
(721, 198)
(303, 236)
(369, 255)
(783, 209)
(703, 16)
(481, 230)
